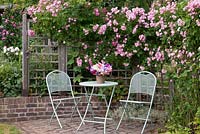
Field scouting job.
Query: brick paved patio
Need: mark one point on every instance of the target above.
(69, 127)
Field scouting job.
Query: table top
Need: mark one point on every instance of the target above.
(95, 84)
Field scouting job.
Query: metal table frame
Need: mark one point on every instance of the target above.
(94, 85)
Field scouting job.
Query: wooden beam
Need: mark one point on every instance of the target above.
(25, 74)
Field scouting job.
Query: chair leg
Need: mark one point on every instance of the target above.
(55, 113)
(122, 116)
(72, 112)
(76, 108)
(58, 120)
(144, 126)
(120, 120)
(78, 111)
(146, 120)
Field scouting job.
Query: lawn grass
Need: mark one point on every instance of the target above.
(8, 129)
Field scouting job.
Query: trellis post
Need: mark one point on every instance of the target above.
(25, 74)
(62, 57)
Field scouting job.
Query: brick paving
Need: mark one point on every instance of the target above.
(42, 126)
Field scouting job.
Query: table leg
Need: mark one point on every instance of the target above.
(87, 96)
(89, 101)
(108, 109)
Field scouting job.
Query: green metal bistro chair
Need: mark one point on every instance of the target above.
(59, 81)
(143, 83)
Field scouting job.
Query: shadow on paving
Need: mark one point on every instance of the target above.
(69, 127)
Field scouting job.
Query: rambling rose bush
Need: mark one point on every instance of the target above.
(10, 27)
(121, 36)
(152, 38)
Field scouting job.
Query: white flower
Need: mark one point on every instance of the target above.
(8, 49)
(16, 49)
(4, 49)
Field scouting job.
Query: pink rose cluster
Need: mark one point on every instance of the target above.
(101, 69)
(5, 32)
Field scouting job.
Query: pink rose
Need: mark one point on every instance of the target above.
(31, 33)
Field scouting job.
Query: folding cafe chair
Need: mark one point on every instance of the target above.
(143, 82)
(59, 81)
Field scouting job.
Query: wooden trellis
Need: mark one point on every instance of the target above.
(39, 58)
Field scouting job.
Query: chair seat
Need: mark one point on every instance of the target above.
(61, 99)
(138, 102)
(137, 118)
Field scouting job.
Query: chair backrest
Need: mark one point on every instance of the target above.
(143, 82)
(58, 81)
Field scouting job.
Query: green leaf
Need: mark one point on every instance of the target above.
(77, 69)
(77, 78)
(70, 62)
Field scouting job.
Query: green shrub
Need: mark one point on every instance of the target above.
(10, 79)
